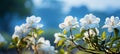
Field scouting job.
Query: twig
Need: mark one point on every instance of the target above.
(74, 42)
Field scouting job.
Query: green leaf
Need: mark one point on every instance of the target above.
(15, 40)
(90, 52)
(113, 40)
(114, 49)
(2, 44)
(39, 31)
(72, 47)
(64, 31)
(21, 43)
(95, 52)
(103, 35)
(78, 36)
(11, 46)
(62, 36)
(90, 46)
(82, 52)
(116, 31)
(60, 43)
(61, 51)
(81, 35)
(82, 32)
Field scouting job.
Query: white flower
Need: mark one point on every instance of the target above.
(45, 46)
(24, 29)
(57, 38)
(33, 22)
(91, 33)
(1, 38)
(21, 31)
(41, 39)
(33, 19)
(112, 23)
(17, 32)
(89, 21)
(68, 23)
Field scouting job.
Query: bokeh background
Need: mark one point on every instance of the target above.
(52, 12)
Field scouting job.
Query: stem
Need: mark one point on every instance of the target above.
(79, 47)
(18, 50)
(93, 45)
(35, 49)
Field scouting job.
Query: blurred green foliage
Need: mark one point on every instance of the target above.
(14, 6)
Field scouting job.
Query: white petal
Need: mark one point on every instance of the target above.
(17, 28)
(47, 42)
(112, 18)
(68, 19)
(97, 20)
(107, 21)
(33, 19)
(105, 26)
(86, 34)
(57, 38)
(14, 36)
(116, 20)
(97, 31)
(92, 32)
(62, 25)
(110, 29)
(41, 39)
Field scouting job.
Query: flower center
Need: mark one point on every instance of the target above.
(112, 23)
(89, 21)
(69, 23)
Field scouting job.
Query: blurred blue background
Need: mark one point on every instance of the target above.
(53, 12)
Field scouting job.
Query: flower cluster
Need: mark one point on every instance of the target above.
(111, 23)
(31, 23)
(28, 34)
(89, 33)
(77, 37)
(89, 21)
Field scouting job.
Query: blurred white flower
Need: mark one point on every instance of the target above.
(17, 32)
(114, 45)
(57, 38)
(89, 21)
(2, 38)
(111, 23)
(20, 31)
(33, 19)
(92, 33)
(68, 23)
(45, 46)
(33, 22)
(24, 29)
(108, 46)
